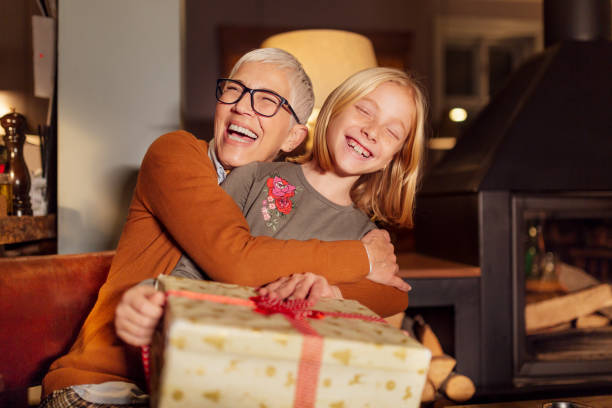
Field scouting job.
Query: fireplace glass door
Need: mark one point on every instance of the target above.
(562, 266)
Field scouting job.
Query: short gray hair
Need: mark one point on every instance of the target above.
(302, 95)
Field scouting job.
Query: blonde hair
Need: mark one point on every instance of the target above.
(387, 195)
(302, 95)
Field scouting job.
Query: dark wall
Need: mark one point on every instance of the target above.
(419, 17)
(202, 43)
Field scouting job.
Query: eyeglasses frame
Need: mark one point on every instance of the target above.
(246, 89)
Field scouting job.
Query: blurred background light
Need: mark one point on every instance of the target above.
(457, 114)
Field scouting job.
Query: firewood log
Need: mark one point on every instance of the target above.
(396, 320)
(553, 329)
(572, 279)
(427, 337)
(439, 369)
(606, 311)
(592, 321)
(429, 392)
(458, 387)
(561, 309)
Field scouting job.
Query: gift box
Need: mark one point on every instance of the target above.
(222, 346)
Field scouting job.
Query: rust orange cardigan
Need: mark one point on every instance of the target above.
(178, 204)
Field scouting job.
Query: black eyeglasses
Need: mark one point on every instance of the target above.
(264, 103)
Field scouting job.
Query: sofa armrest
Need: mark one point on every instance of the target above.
(44, 301)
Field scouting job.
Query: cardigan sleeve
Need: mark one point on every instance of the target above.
(382, 299)
(178, 186)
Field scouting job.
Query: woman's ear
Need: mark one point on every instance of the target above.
(297, 134)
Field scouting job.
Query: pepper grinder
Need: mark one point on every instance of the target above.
(14, 138)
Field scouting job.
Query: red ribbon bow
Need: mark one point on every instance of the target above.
(293, 309)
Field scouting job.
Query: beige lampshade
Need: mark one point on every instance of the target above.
(328, 57)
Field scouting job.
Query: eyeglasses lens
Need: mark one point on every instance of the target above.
(263, 102)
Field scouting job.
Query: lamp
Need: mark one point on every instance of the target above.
(328, 57)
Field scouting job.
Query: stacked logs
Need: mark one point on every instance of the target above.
(586, 302)
(442, 380)
(443, 385)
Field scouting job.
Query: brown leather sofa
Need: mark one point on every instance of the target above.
(44, 300)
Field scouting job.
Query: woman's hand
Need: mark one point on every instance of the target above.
(138, 313)
(300, 286)
(383, 263)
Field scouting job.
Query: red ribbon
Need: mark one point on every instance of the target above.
(292, 309)
(297, 312)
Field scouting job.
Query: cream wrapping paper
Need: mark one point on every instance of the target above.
(211, 354)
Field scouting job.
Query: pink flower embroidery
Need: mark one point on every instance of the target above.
(279, 188)
(278, 203)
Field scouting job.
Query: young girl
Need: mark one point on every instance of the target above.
(367, 147)
(364, 166)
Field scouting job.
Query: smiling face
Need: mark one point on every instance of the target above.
(241, 135)
(365, 135)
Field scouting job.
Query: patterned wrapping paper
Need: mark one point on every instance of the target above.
(210, 354)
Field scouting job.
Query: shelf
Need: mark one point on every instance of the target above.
(26, 228)
(418, 266)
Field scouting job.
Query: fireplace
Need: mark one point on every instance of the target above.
(562, 244)
(539, 155)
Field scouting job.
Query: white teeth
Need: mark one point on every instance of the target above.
(237, 139)
(359, 149)
(241, 130)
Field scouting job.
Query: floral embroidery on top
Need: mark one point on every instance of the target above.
(279, 202)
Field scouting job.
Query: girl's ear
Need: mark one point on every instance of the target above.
(297, 134)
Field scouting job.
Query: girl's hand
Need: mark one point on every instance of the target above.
(138, 313)
(300, 286)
